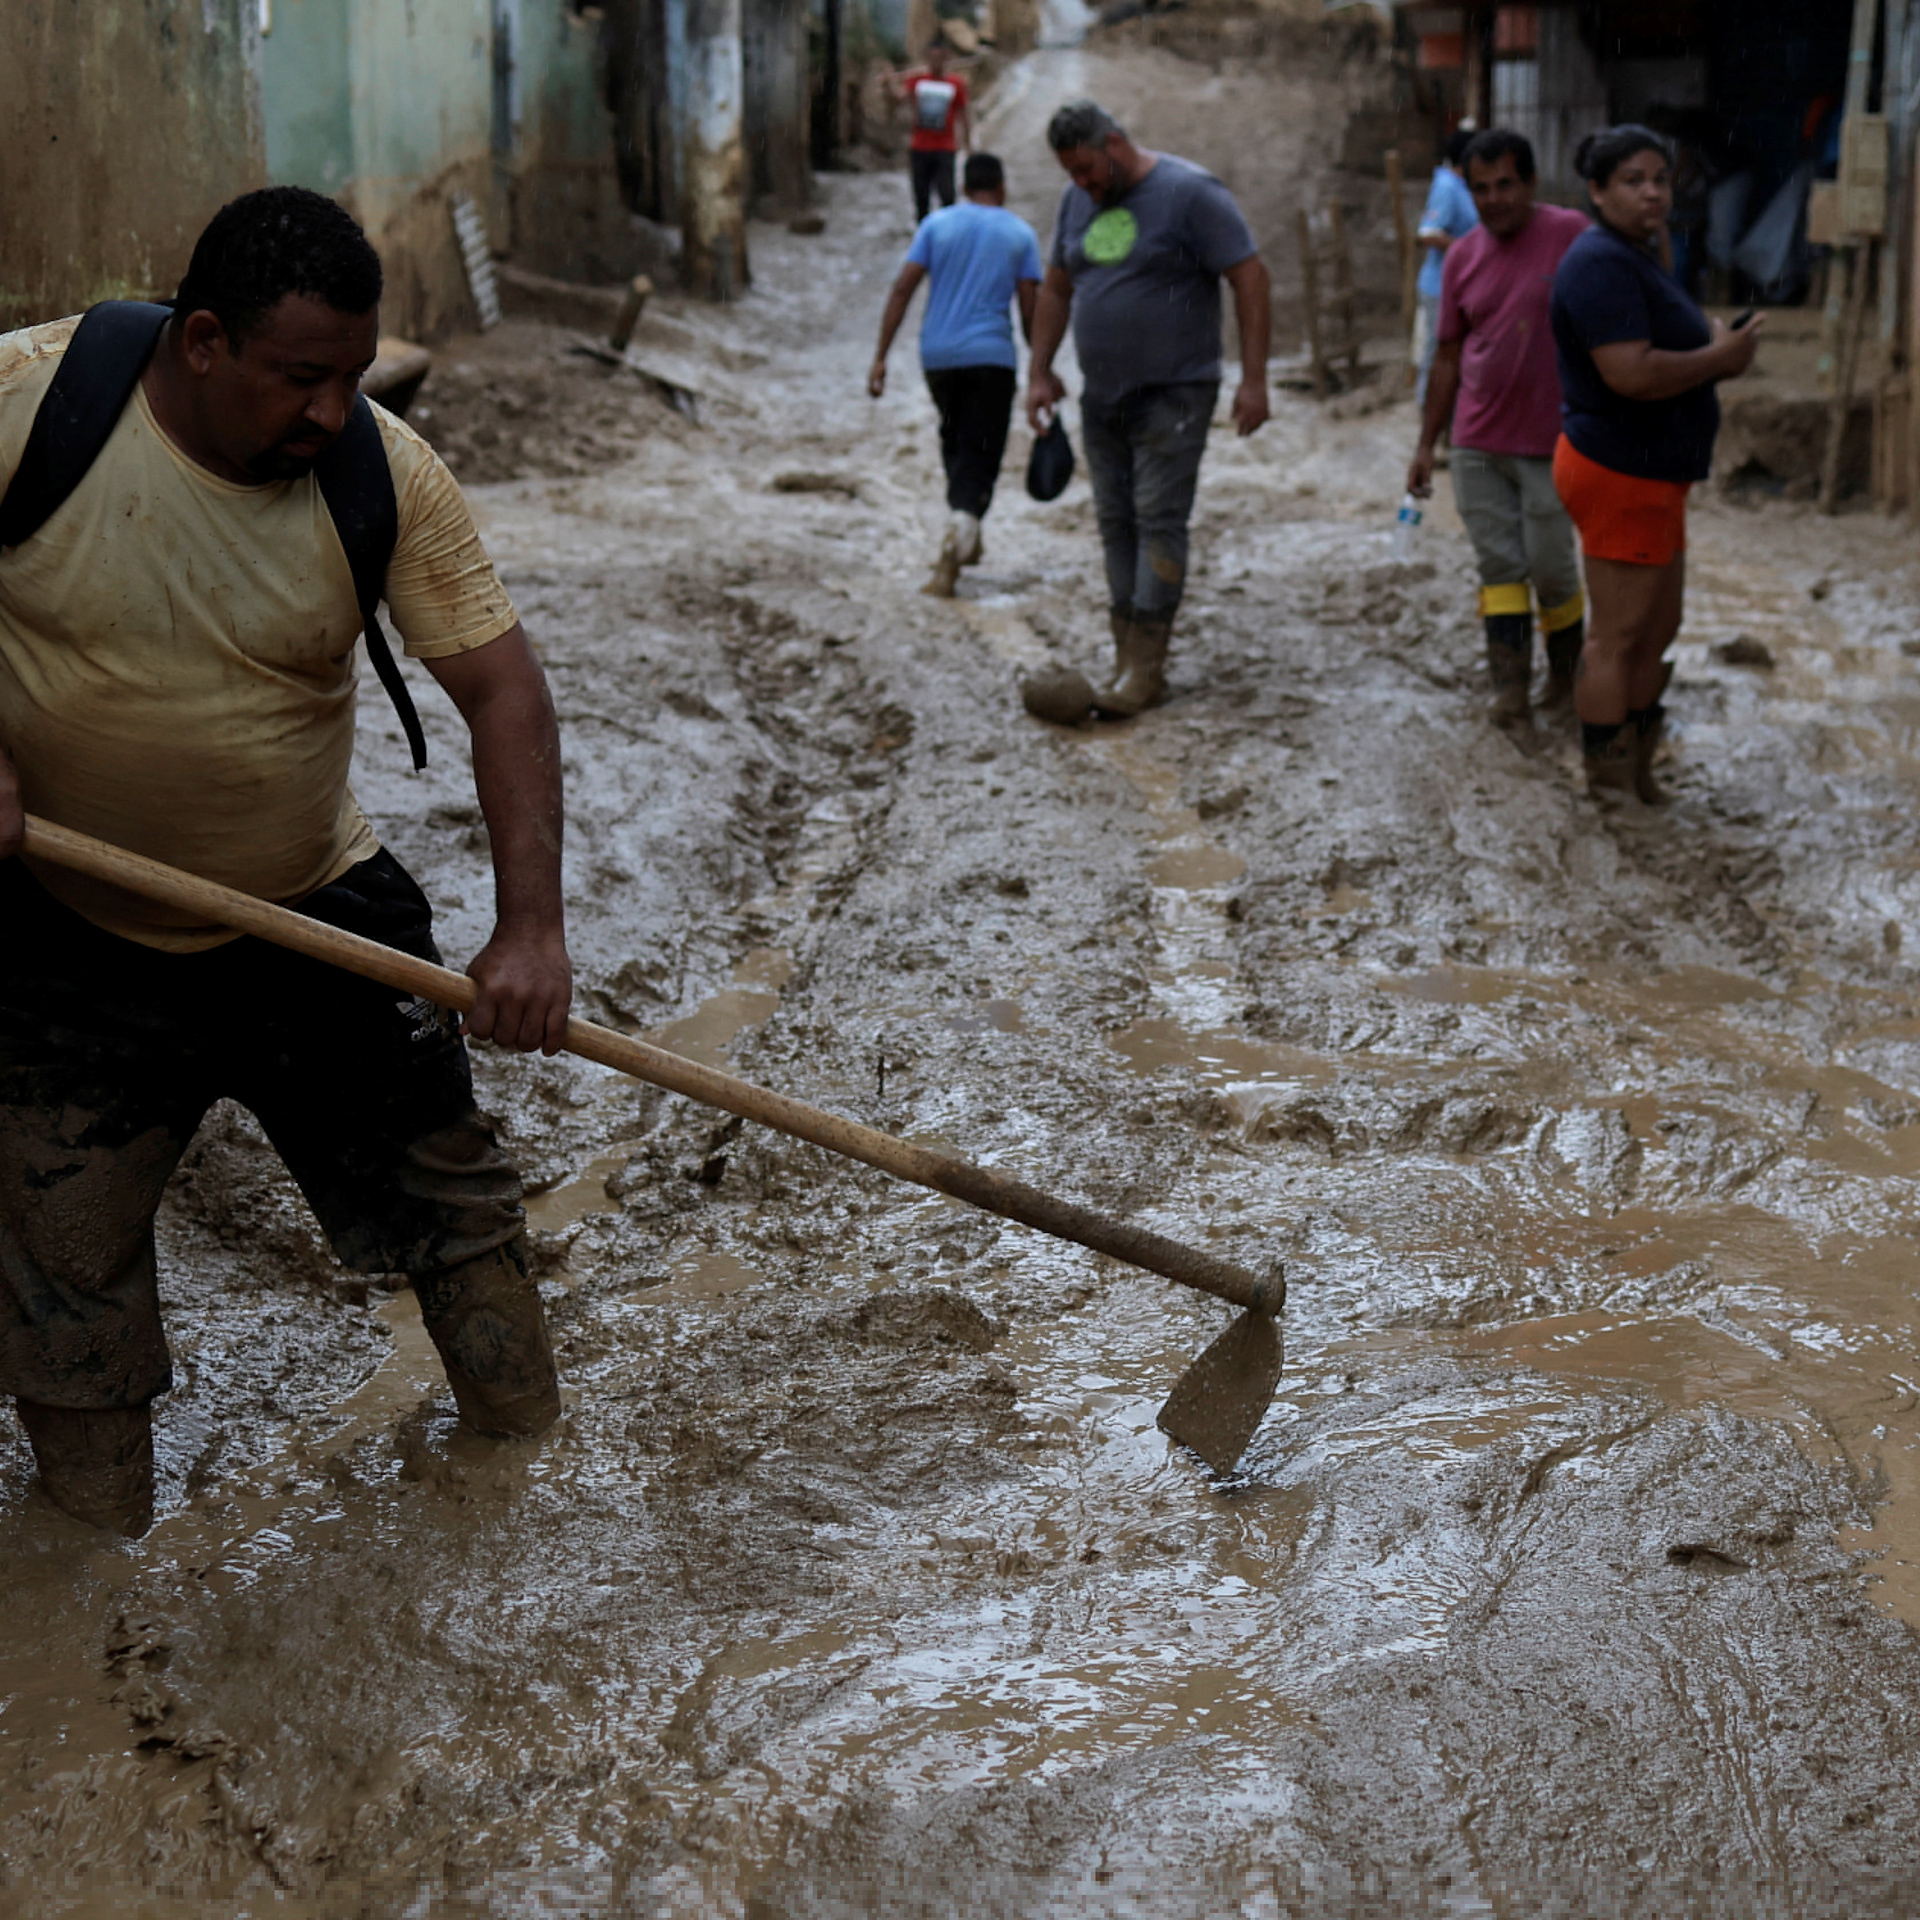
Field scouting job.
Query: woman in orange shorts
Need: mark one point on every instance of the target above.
(1638, 363)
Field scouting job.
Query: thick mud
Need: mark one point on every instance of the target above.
(1573, 1571)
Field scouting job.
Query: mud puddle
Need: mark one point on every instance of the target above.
(1573, 1568)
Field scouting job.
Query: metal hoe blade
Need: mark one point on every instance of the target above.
(1220, 1400)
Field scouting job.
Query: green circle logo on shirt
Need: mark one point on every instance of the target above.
(1111, 236)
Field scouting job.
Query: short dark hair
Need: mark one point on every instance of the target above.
(1497, 144)
(1602, 154)
(1081, 123)
(263, 246)
(983, 173)
(1458, 141)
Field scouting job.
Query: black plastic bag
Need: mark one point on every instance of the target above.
(1050, 464)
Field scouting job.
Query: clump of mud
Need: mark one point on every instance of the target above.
(517, 404)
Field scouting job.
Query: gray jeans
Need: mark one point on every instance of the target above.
(1143, 457)
(1519, 529)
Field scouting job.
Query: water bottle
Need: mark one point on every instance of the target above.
(1405, 528)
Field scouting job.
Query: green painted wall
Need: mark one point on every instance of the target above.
(304, 95)
(391, 106)
(129, 122)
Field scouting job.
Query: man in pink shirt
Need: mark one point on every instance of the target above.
(1496, 360)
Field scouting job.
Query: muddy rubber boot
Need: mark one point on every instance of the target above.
(1611, 755)
(1647, 726)
(1509, 665)
(946, 570)
(486, 1320)
(1139, 668)
(1563, 661)
(96, 1463)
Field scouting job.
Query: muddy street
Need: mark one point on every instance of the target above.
(1577, 1567)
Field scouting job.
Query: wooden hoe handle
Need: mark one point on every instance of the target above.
(925, 1166)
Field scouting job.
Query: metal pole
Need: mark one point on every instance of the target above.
(713, 224)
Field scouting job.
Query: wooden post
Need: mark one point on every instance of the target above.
(1310, 300)
(1409, 252)
(1859, 272)
(1349, 347)
(713, 219)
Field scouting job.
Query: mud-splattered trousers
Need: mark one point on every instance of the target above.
(112, 1052)
(1143, 457)
(1520, 533)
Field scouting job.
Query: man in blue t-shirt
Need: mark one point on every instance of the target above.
(1449, 215)
(980, 259)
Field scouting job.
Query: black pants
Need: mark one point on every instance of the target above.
(110, 1054)
(932, 174)
(976, 408)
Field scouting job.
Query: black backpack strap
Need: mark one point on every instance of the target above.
(357, 484)
(91, 386)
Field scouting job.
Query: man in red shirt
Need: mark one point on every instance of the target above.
(1496, 361)
(942, 125)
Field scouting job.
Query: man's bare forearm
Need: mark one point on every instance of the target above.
(1253, 311)
(890, 319)
(1443, 391)
(503, 698)
(1049, 325)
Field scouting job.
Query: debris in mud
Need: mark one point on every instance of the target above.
(516, 405)
(1063, 695)
(800, 480)
(1743, 650)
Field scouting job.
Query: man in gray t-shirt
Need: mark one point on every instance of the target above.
(1140, 247)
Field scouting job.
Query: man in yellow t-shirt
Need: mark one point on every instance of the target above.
(177, 676)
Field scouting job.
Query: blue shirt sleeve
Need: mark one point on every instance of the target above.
(1462, 216)
(921, 252)
(1029, 267)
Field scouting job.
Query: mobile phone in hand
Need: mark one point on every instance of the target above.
(1739, 320)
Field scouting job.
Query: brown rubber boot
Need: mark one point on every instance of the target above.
(1646, 728)
(1139, 668)
(486, 1320)
(1563, 661)
(95, 1463)
(1611, 766)
(1510, 665)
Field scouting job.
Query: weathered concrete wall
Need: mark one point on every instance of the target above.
(566, 216)
(128, 123)
(713, 231)
(388, 108)
(778, 105)
(395, 108)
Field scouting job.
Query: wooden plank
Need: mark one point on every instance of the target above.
(1409, 252)
(1310, 300)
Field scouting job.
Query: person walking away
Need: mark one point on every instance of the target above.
(1140, 246)
(1448, 216)
(177, 677)
(978, 259)
(942, 124)
(1638, 365)
(1497, 381)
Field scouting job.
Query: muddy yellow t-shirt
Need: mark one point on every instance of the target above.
(177, 654)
